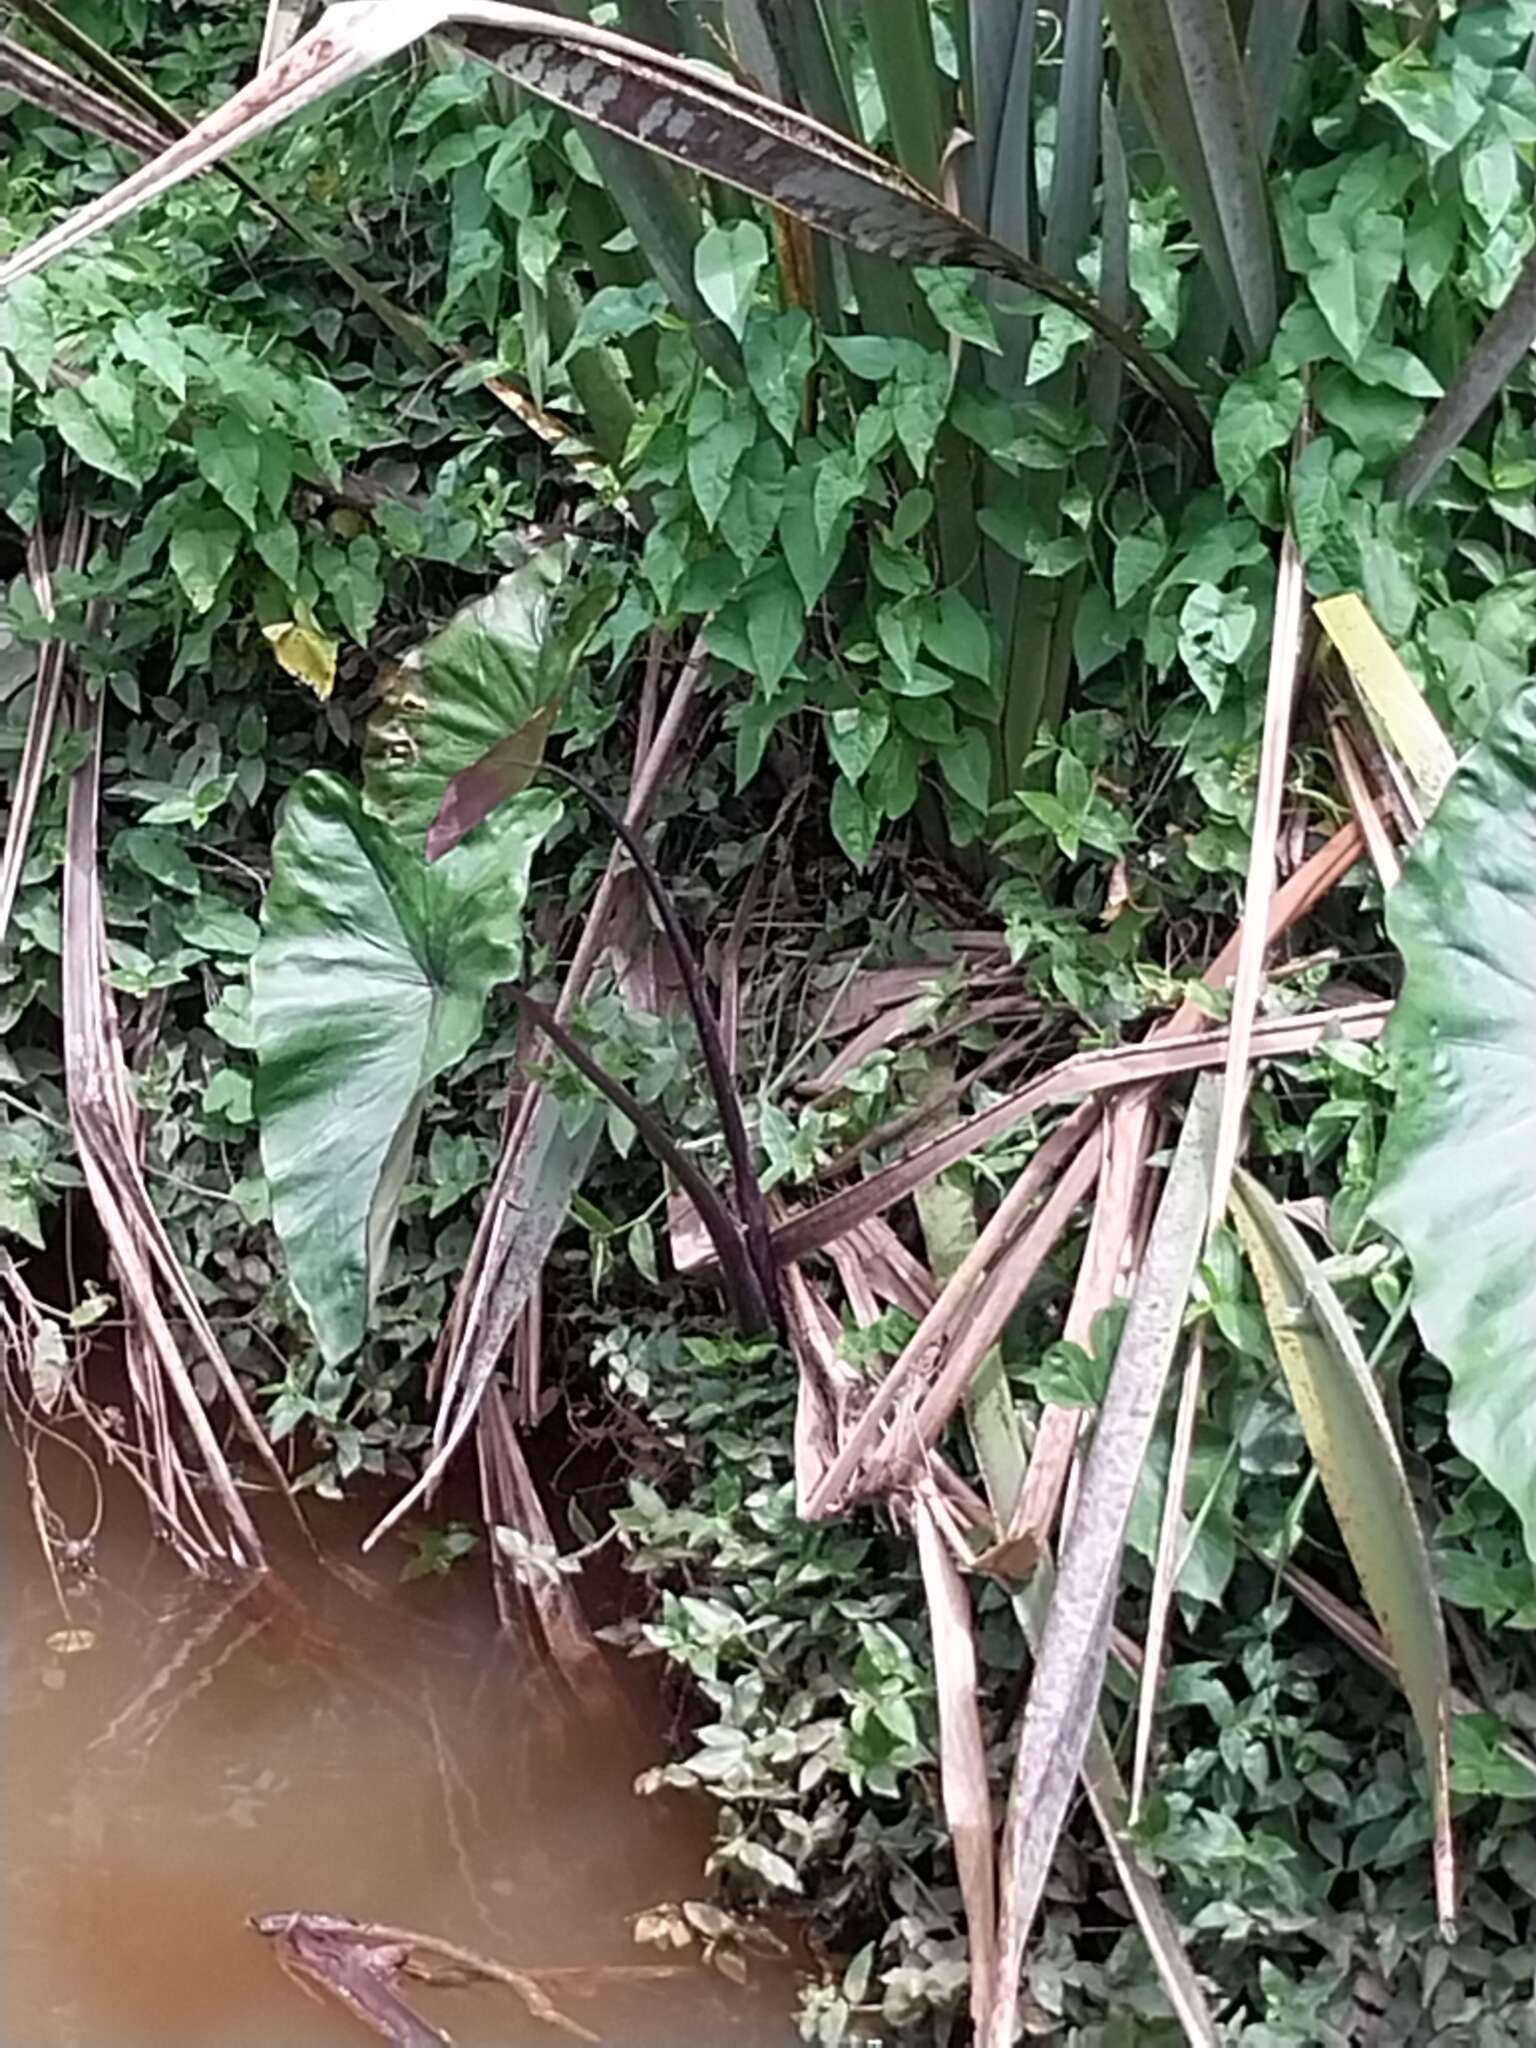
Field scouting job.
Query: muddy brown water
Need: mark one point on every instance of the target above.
(204, 1759)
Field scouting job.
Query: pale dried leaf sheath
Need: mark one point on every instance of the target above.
(957, 1299)
(484, 1308)
(510, 1500)
(1057, 1434)
(1125, 1133)
(1285, 652)
(1395, 706)
(96, 1086)
(284, 20)
(962, 1748)
(1005, 1289)
(47, 688)
(1086, 1074)
(1362, 801)
(1106, 1795)
(1064, 1692)
(827, 1386)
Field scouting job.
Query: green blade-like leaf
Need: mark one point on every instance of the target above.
(1000, 176)
(1458, 1171)
(1069, 212)
(703, 121)
(1356, 1454)
(486, 676)
(900, 35)
(1063, 1696)
(370, 980)
(1183, 62)
(1501, 348)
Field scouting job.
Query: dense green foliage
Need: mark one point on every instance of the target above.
(973, 596)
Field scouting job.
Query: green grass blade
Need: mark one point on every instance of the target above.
(1183, 62)
(1069, 213)
(1351, 1441)
(1000, 168)
(900, 35)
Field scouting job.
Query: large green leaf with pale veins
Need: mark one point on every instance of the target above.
(1458, 1174)
(491, 677)
(370, 980)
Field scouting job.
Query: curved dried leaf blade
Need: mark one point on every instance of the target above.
(1351, 1440)
(42, 84)
(369, 981)
(547, 1178)
(1458, 1171)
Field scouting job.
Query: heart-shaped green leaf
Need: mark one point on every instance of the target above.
(1458, 1172)
(370, 980)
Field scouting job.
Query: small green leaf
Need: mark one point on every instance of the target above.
(811, 560)
(954, 632)
(203, 547)
(967, 768)
(726, 266)
(721, 428)
(855, 736)
(775, 623)
(958, 307)
(779, 353)
(855, 821)
(1360, 258)
(1258, 414)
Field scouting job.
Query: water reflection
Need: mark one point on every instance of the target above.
(186, 1756)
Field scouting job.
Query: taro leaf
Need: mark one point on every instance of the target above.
(1458, 1171)
(1357, 1457)
(370, 980)
(491, 675)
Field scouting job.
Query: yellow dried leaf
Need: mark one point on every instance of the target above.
(305, 653)
(1393, 701)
